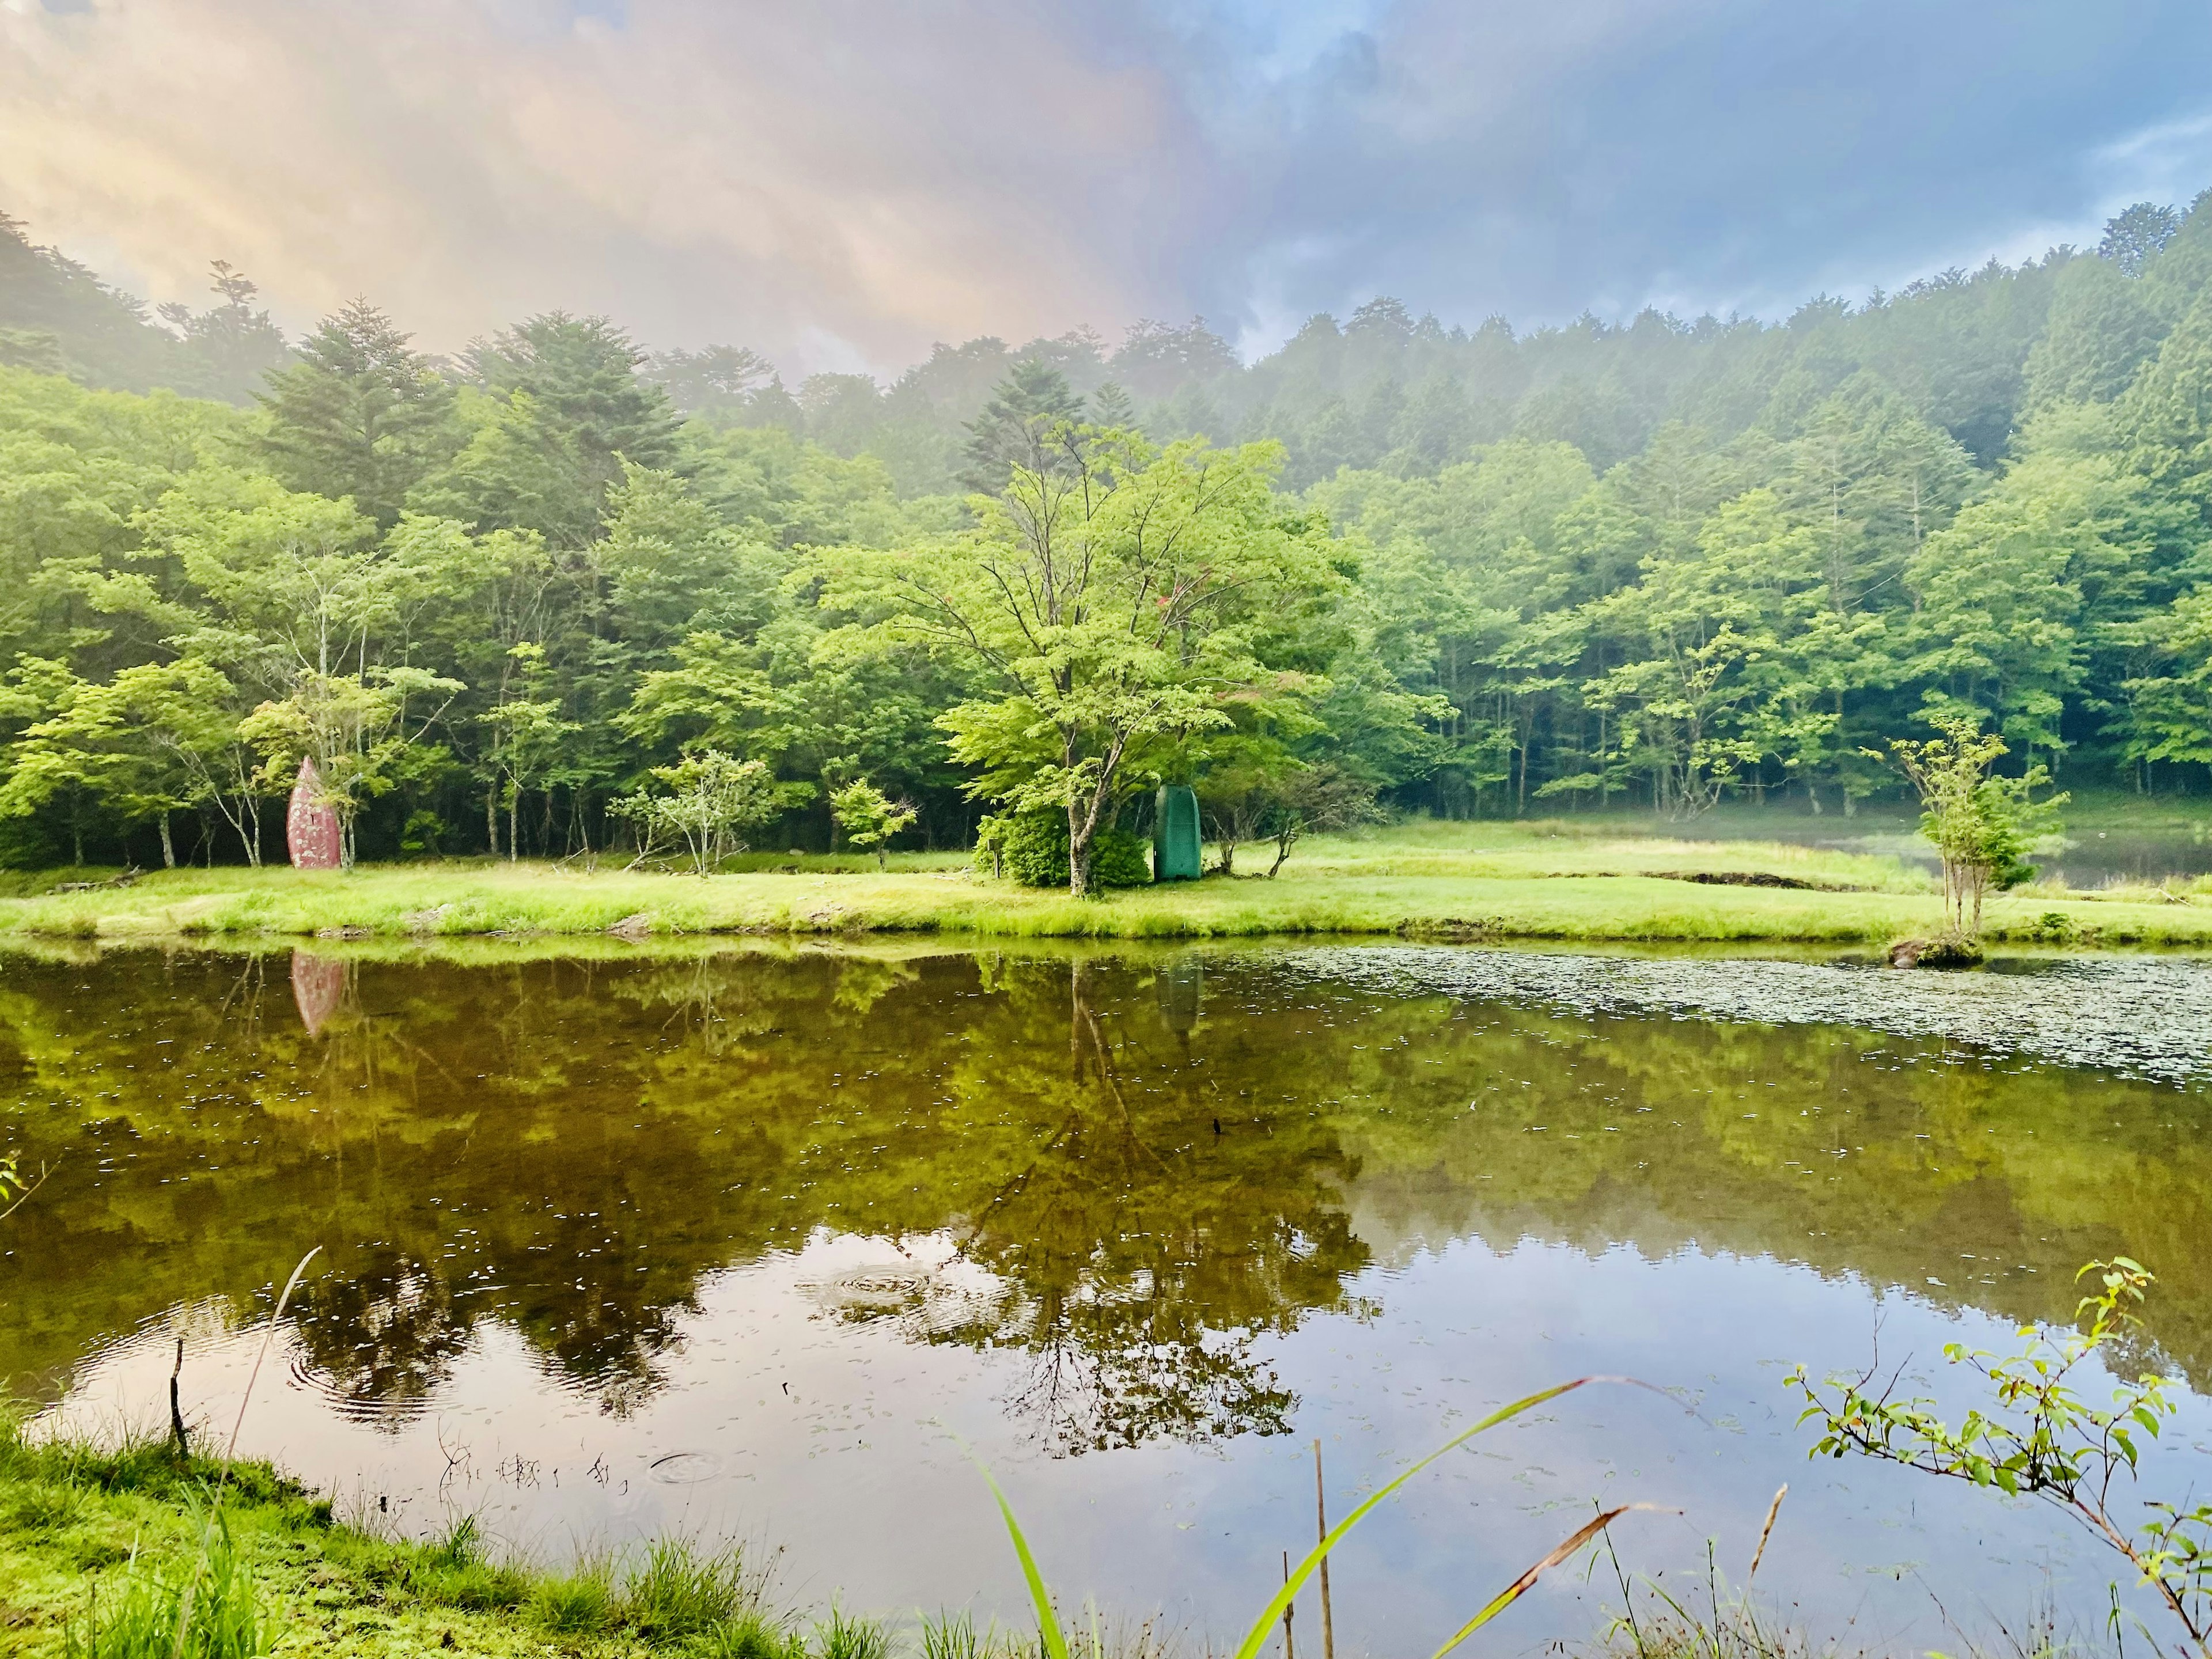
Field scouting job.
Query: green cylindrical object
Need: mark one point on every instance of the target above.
(1174, 836)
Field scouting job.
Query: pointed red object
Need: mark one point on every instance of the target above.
(318, 987)
(311, 828)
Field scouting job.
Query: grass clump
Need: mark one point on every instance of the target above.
(208, 1610)
(681, 1590)
(458, 1571)
(842, 1636)
(578, 1603)
(751, 1634)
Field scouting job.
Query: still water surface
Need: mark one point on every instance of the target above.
(767, 1244)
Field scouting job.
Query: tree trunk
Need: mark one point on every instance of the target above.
(77, 841)
(491, 817)
(514, 830)
(169, 845)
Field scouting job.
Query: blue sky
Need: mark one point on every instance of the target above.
(841, 183)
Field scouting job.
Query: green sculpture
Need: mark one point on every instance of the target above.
(1174, 836)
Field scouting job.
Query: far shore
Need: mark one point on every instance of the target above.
(1424, 880)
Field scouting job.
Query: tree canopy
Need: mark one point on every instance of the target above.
(1663, 562)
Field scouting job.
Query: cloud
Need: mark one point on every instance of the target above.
(866, 170)
(847, 181)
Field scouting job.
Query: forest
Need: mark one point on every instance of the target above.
(532, 598)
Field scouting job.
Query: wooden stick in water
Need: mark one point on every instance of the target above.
(176, 1413)
(1289, 1652)
(1321, 1522)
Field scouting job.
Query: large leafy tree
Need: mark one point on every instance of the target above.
(1115, 596)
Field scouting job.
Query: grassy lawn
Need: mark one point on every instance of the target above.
(1592, 880)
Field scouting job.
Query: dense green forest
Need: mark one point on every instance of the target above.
(513, 600)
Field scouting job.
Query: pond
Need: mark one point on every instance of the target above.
(777, 1243)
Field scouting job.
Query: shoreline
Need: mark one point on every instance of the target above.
(1360, 898)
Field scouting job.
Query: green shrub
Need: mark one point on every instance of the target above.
(1036, 852)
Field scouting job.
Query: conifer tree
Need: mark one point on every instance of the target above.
(359, 415)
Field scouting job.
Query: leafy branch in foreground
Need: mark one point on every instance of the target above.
(1052, 1641)
(2046, 1441)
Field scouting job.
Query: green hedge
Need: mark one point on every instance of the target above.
(1036, 853)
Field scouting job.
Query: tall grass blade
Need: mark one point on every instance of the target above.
(1765, 1532)
(1049, 1631)
(1521, 1586)
(1263, 1626)
(230, 1453)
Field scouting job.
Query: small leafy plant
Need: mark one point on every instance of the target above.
(869, 817)
(2046, 1441)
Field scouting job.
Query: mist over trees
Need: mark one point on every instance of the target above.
(1664, 563)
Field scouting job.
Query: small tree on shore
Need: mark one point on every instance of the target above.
(1314, 801)
(1980, 824)
(712, 798)
(868, 817)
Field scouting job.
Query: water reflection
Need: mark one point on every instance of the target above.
(761, 1215)
(1145, 1167)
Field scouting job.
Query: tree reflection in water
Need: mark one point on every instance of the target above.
(1135, 1171)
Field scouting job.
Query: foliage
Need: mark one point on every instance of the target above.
(355, 728)
(1980, 824)
(2045, 1440)
(359, 415)
(1114, 597)
(1667, 564)
(868, 817)
(213, 1613)
(1036, 853)
(712, 798)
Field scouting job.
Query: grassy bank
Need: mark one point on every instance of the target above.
(1425, 879)
(96, 1546)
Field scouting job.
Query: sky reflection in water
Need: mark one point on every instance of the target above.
(756, 1241)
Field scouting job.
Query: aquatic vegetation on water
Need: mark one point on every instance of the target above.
(2137, 1015)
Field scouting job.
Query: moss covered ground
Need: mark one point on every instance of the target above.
(1560, 881)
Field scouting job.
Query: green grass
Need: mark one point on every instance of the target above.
(1591, 879)
(102, 1552)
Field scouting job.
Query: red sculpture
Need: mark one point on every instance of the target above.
(311, 827)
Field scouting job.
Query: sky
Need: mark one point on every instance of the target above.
(840, 183)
